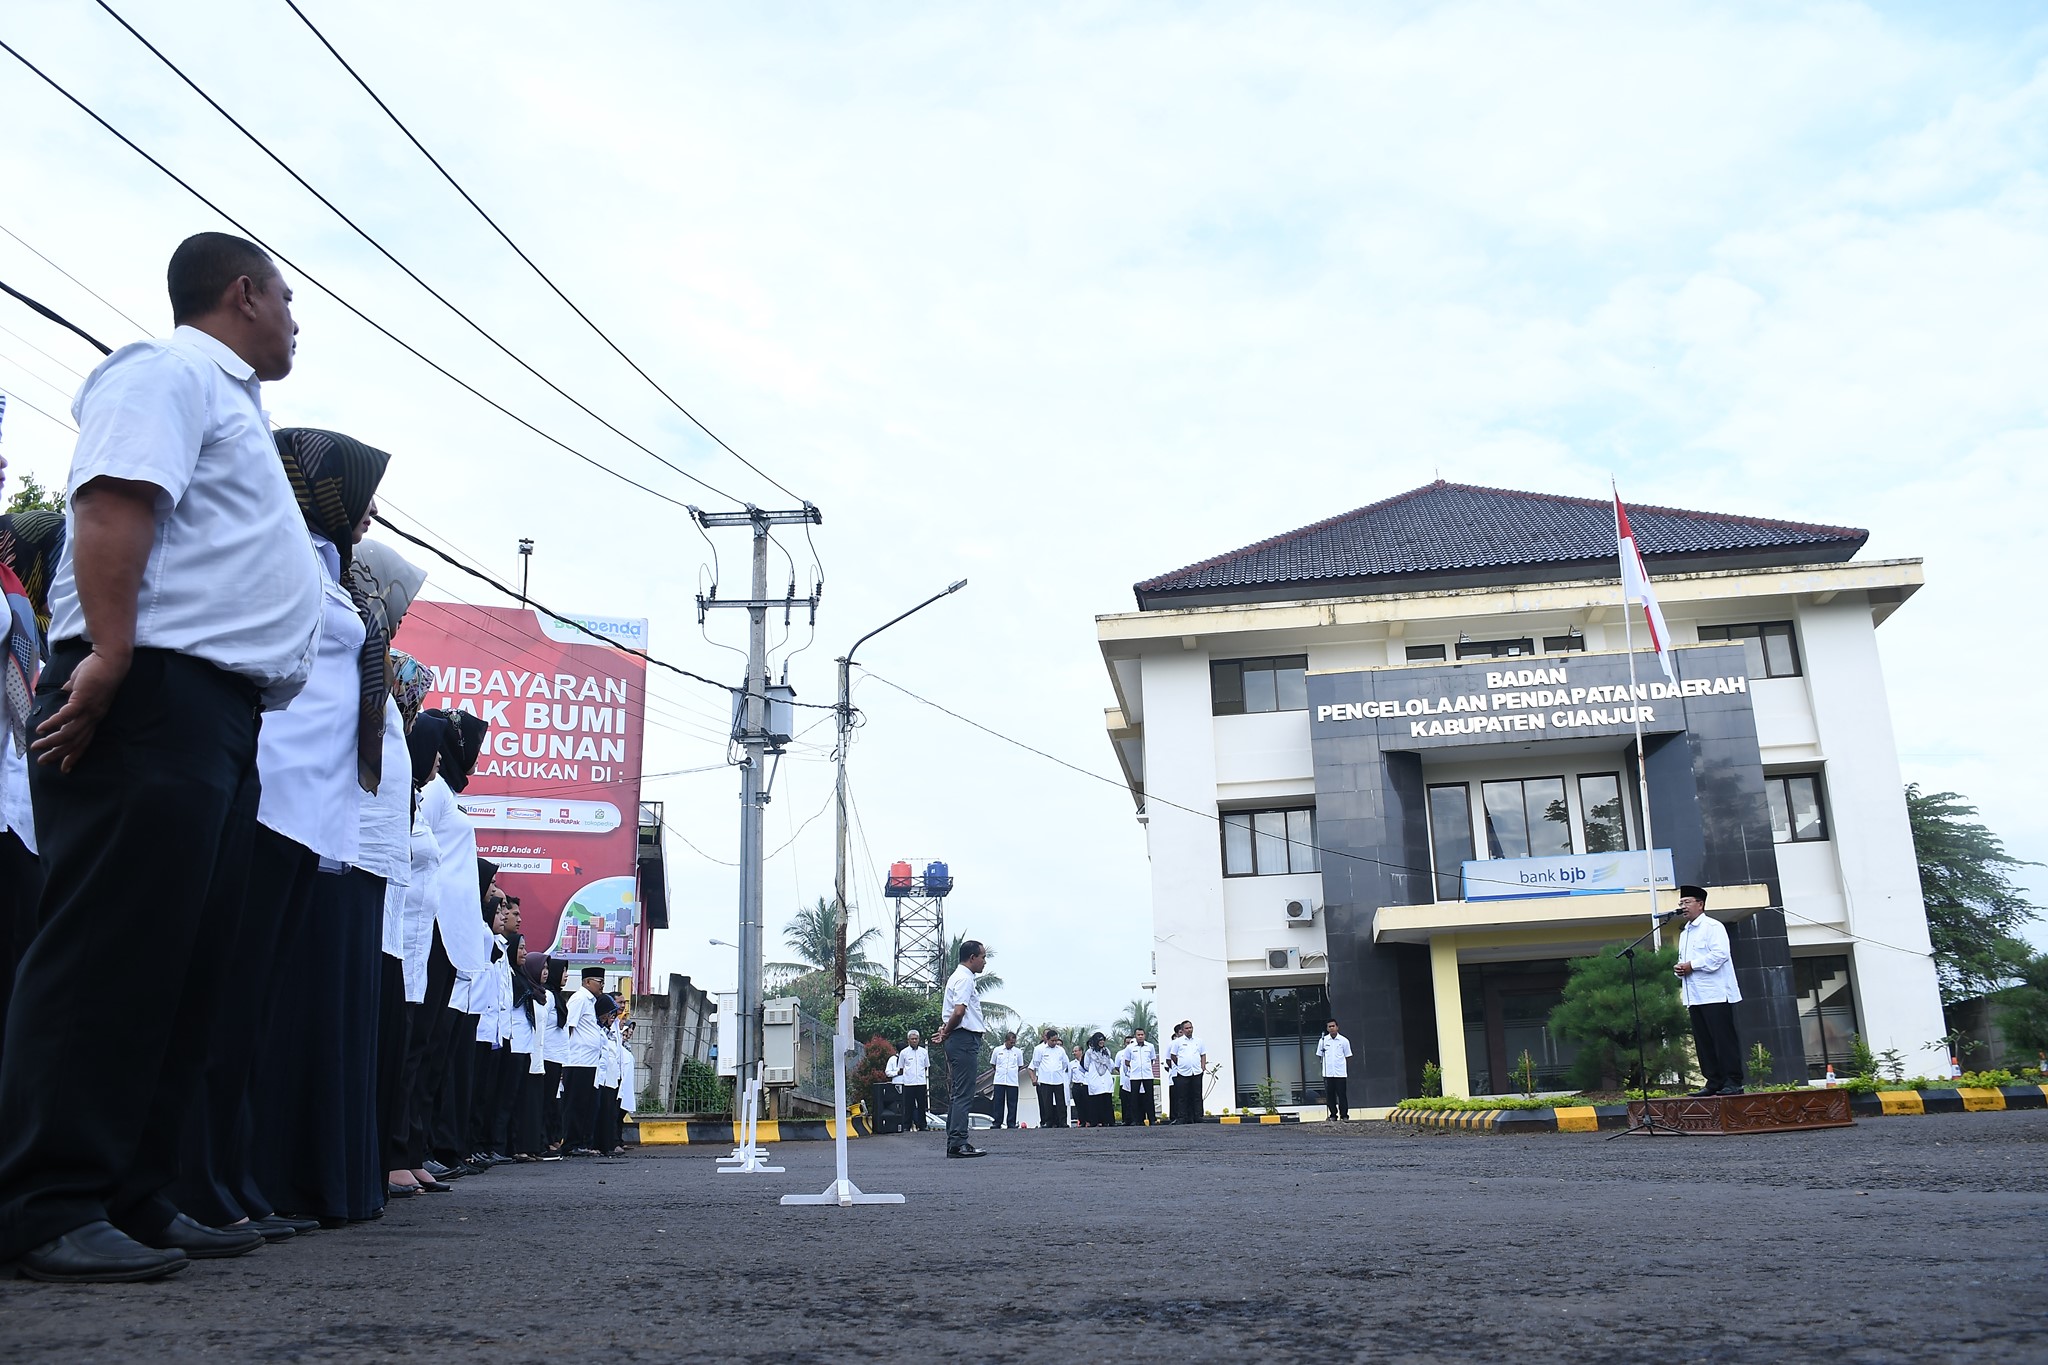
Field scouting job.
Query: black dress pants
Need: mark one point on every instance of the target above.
(217, 1181)
(1713, 1036)
(1337, 1091)
(394, 1018)
(552, 1126)
(528, 1135)
(450, 1131)
(917, 1107)
(609, 1124)
(488, 1070)
(505, 1097)
(1006, 1106)
(579, 1098)
(21, 889)
(428, 1024)
(1052, 1107)
(1138, 1104)
(145, 851)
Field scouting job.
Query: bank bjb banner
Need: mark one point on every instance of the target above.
(556, 796)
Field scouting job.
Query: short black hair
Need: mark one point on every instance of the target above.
(205, 264)
(971, 948)
(597, 972)
(1698, 893)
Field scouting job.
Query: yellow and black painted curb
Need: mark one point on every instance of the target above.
(1594, 1118)
(661, 1132)
(1251, 1120)
(1960, 1100)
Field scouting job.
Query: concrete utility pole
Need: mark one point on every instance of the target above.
(751, 730)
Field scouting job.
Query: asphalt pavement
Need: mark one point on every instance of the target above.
(1907, 1239)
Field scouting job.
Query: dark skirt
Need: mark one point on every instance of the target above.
(317, 1150)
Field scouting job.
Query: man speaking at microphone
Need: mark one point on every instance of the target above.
(1708, 974)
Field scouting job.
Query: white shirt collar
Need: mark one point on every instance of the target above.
(221, 353)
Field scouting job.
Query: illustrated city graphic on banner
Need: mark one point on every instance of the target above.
(556, 796)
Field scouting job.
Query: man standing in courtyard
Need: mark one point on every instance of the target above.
(1710, 994)
(911, 1069)
(960, 1028)
(1334, 1049)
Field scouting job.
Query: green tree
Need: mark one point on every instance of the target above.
(1974, 912)
(997, 1016)
(1597, 1014)
(1138, 1015)
(2023, 1010)
(814, 937)
(32, 496)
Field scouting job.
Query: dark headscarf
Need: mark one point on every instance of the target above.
(485, 870)
(557, 980)
(463, 746)
(334, 477)
(29, 544)
(525, 981)
(428, 736)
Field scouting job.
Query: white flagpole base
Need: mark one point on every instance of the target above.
(842, 1192)
(750, 1157)
(845, 1194)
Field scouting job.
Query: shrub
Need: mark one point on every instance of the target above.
(870, 1070)
(701, 1090)
(1862, 1061)
(1759, 1066)
(1598, 1015)
(1432, 1079)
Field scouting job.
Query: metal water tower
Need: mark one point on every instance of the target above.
(920, 898)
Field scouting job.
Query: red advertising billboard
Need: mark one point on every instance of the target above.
(556, 796)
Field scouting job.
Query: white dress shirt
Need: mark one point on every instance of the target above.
(1704, 943)
(911, 1066)
(1333, 1050)
(458, 906)
(586, 1039)
(419, 899)
(1135, 1062)
(608, 1068)
(628, 1082)
(960, 991)
(1100, 1070)
(230, 578)
(554, 1037)
(1184, 1055)
(15, 813)
(306, 753)
(384, 817)
(1049, 1063)
(1008, 1062)
(524, 1033)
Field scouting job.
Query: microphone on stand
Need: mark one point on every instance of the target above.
(1666, 916)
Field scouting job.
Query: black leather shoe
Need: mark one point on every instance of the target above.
(274, 1229)
(966, 1151)
(434, 1187)
(99, 1253)
(1704, 1092)
(396, 1191)
(435, 1169)
(203, 1243)
(1731, 1090)
(299, 1226)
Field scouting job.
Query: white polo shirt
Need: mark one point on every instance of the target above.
(230, 577)
(458, 906)
(1135, 1062)
(306, 753)
(1334, 1049)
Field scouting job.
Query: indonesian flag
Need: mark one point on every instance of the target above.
(1635, 585)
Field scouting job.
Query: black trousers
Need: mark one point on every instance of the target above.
(1006, 1106)
(527, 1135)
(963, 1053)
(487, 1070)
(1713, 1035)
(552, 1124)
(917, 1107)
(505, 1097)
(1337, 1093)
(449, 1130)
(394, 1021)
(1185, 1099)
(579, 1098)
(217, 1180)
(21, 889)
(426, 1041)
(145, 851)
(1138, 1103)
(610, 1120)
(1052, 1107)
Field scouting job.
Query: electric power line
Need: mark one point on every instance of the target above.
(17, 398)
(52, 315)
(43, 353)
(313, 280)
(75, 280)
(520, 252)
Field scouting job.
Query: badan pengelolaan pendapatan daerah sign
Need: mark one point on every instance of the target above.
(556, 796)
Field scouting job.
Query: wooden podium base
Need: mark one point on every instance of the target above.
(1776, 1111)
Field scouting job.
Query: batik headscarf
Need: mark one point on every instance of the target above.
(334, 477)
(410, 682)
(29, 542)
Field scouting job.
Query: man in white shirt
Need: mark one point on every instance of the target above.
(1188, 1060)
(960, 1031)
(1137, 1062)
(579, 1072)
(1049, 1073)
(1711, 994)
(1008, 1060)
(911, 1068)
(1334, 1051)
(185, 602)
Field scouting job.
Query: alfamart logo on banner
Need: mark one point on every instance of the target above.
(556, 796)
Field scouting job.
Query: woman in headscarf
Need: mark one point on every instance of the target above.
(29, 544)
(460, 933)
(554, 1052)
(428, 974)
(267, 1140)
(520, 1109)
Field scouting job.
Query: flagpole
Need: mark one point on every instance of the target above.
(1642, 769)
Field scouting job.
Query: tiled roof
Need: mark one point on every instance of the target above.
(1459, 532)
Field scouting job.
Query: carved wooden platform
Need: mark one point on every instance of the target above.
(1776, 1111)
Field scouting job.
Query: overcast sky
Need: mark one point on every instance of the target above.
(1059, 298)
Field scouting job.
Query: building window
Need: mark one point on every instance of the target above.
(1563, 644)
(1507, 1008)
(1827, 1012)
(1796, 816)
(1273, 1032)
(1606, 818)
(1240, 687)
(1772, 651)
(1266, 843)
(1495, 649)
(1527, 819)
(1450, 837)
(1424, 653)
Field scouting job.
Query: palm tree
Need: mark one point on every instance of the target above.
(984, 982)
(1138, 1015)
(814, 937)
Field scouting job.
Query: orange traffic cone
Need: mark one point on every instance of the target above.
(1831, 1075)
(1955, 1069)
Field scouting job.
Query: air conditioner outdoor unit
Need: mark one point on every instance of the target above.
(1282, 959)
(1302, 911)
(778, 1075)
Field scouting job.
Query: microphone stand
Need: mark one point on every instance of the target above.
(1649, 1123)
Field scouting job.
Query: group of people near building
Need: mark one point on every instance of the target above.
(227, 811)
(1082, 1090)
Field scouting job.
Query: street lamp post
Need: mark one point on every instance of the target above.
(843, 1191)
